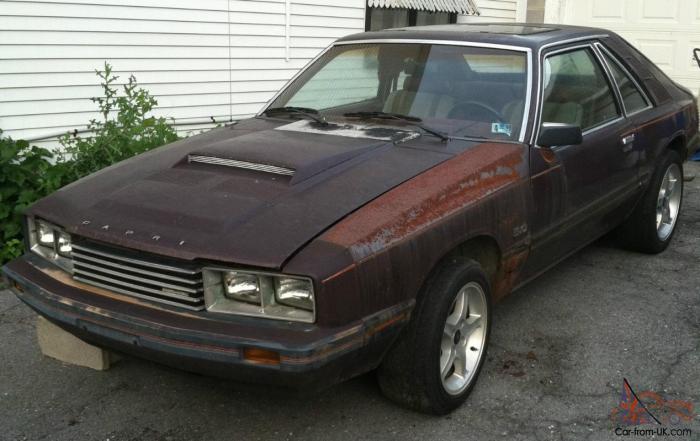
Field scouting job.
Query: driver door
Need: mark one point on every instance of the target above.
(580, 191)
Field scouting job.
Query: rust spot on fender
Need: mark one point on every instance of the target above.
(548, 155)
(508, 273)
(339, 273)
(431, 196)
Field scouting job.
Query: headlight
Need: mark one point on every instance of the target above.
(44, 234)
(243, 287)
(259, 294)
(64, 246)
(294, 292)
(50, 242)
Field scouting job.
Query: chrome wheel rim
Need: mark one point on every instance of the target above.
(463, 338)
(668, 203)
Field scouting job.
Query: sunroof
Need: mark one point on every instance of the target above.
(494, 29)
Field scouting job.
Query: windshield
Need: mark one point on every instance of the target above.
(464, 91)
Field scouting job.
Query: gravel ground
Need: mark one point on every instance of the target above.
(559, 351)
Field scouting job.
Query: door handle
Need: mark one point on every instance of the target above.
(628, 142)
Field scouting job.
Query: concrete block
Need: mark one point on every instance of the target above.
(64, 346)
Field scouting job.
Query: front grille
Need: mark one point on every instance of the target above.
(122, 272)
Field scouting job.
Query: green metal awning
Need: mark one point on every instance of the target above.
(455, 6)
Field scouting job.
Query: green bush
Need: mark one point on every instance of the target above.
(28, 173)
(124, 131)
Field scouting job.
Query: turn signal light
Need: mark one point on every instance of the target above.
(17, 286)
(261, 356)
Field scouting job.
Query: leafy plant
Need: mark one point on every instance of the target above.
(125, 130)
(28, 173)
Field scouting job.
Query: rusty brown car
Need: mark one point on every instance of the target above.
(371, 215)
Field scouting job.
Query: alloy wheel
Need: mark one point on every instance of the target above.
(463, 338)
(669, 202)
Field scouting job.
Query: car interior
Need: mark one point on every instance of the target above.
(470, 91)
(576, 91)
(450, 88)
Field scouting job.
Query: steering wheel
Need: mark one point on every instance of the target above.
(474, 111)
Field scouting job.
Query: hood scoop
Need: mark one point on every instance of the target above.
(266, 168)
(296, 156)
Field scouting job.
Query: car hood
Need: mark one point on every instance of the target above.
(252, 194)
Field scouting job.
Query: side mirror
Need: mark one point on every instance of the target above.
(556, 134)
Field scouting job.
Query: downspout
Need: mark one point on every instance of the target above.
(287, 28)
(521, 11)
(230, 66)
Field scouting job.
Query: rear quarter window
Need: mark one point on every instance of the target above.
(631, 95)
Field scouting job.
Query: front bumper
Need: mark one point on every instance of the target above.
(309, 357)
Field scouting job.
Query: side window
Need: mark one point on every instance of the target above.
(577, 91)
(632, 97)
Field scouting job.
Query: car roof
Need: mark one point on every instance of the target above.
(527, 35)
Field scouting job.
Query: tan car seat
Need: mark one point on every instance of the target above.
(410, 101)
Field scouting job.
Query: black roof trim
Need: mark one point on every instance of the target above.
(513, 34)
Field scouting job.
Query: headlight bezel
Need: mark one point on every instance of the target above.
(217, 302)
(49, 250)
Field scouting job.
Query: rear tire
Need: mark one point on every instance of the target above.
(434, 364)
(653, 223)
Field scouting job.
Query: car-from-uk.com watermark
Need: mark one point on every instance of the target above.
(648, 414)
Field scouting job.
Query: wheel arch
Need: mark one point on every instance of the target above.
(679, 144)
(484, 249)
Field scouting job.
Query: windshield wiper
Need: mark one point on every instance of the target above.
(306, 112)
(412, 120)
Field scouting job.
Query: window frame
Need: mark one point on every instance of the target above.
(602, 50)
(530, 96)
(613, 86)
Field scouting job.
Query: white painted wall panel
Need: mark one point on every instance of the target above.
(211, 58)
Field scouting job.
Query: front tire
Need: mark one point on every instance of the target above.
(653, 223)
(435, 363)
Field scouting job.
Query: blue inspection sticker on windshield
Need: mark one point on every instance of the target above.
(502, 128)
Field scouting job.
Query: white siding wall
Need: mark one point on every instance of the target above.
(498, 11)
(210, 58)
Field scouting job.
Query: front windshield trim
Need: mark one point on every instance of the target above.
(527, 50)
(435, 42)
